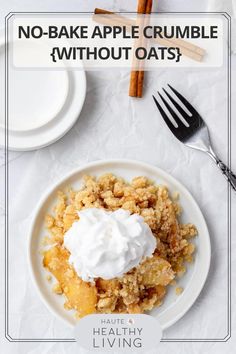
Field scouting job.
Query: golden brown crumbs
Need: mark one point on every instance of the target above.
(57, 289)
(145, 286)
(179, 290)
(176, 195)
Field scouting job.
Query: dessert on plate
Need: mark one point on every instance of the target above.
(114, 246)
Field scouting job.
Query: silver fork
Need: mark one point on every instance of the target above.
(192, 130)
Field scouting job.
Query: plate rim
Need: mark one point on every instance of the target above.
(82, 94)
(99, 163)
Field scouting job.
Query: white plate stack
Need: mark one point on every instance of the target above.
(42, 104)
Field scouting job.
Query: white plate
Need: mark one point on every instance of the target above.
(174, 307)
(42, 104)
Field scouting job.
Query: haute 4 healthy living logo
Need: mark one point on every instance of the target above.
(136, 332)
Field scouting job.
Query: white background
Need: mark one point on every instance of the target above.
(112, 125)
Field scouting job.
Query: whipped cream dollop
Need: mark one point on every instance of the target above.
(104, 244)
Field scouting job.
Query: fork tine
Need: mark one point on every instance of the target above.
(172, 112)
(184, 101)
(164, 115)
(177, 106)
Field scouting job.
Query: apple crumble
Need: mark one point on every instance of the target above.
(144, 286)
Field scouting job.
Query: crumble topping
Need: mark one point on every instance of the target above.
(145, 286)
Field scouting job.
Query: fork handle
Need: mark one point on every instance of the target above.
(229, 175)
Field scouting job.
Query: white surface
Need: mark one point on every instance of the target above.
(46, 90)
(228, 6)
(36, 90)
(59, 97)
(113, 125)
(173, 307)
